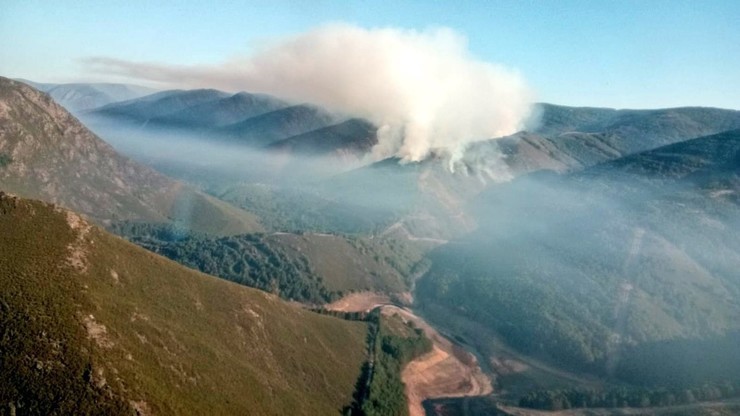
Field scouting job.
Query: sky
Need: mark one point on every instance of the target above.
(621, 54)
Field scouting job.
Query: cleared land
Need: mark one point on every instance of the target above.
(447, 371)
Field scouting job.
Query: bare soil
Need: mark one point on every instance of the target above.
(446, 371)
(359, 302)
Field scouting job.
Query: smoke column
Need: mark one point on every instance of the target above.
(424, 90)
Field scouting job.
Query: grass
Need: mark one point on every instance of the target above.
(175, 341)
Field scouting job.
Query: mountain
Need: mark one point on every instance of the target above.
(247, 121)
(280, 124)
(570, 138)
(252, 119)
(222, 112)
(600, 269)
(91, 324)
(354, 137)
(434, 202)
(80, 97)
(47, 153)
(159, 105)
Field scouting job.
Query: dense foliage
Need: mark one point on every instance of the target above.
(625, 397)
(312, 268)
(251, 259)
(46, 359)
(292, 210)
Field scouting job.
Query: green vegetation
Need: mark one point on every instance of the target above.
(396, 344)
(47, 361)
(601, 271)
(291, 210)
(314, 268)
(5, 160)
(252, 260)
(626, 397)
(91, 324)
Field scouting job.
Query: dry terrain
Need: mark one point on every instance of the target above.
(359, 302)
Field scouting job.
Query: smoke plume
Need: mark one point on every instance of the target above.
(424, 90)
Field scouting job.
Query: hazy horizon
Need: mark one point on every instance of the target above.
(615, 54)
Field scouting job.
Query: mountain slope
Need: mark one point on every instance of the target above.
(570, 138)
(49, 154)
(306, 267)
(354, 137)
(221, 112)
(93, 324)
(590, 270)
(158, 105)
(277, 125)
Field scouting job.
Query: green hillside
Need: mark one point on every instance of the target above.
(91, 324)
(609, 269)
(314, 268)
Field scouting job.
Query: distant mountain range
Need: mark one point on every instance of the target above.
(570, 138)
(252, 120)
(77, 97)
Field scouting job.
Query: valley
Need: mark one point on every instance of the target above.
(587, 262)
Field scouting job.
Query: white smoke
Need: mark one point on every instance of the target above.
(424, 90)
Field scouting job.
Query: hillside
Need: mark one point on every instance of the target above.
(48, 154)
(91, 324)
(572, 138)
(354, 137)
(311, 268)
(601, 269)
(159, 105)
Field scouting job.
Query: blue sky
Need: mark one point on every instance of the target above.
(636, 54)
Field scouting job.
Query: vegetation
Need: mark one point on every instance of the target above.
(304, 267)
(47, 363)
(5, 160)
(292, 210)
(629, 397)
(91, 324)
(598, 271)
(396, 344)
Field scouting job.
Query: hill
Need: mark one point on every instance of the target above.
(91, 324)
(601, 269)
(47, 153)
(80, 97)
